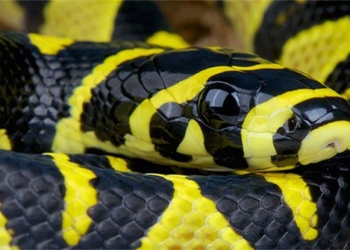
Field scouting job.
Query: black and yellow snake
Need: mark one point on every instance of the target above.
(89, 131)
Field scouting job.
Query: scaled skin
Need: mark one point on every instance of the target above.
(208, 108)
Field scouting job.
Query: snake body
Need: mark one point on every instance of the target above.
(59, 201)
(97, 106)
(311, 36)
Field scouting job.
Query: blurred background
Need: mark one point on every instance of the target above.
(201, 23)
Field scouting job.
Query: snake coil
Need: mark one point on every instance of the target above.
(94, 134)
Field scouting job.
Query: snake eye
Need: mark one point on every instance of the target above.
(219, 106)
(292, 124)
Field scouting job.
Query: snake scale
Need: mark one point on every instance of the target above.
(159, 145)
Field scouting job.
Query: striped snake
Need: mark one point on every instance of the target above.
(159, 145)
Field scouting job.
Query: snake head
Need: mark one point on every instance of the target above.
(215, 108)
(274, 118)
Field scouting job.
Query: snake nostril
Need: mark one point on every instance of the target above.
(331, 144)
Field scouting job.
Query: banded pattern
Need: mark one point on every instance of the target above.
(165, 106)
(292, 40)
(44, 80)
(40, 200)
(99, 21)
(169, 106)
(311, 36)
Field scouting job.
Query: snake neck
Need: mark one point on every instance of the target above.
(38, 87)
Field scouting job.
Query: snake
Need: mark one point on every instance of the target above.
(146, 142)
